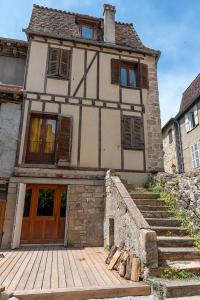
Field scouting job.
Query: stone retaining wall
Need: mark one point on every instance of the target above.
(129, 226)
(186, 189)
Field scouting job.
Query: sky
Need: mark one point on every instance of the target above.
(171, 26)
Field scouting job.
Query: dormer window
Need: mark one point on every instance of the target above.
(87, 32)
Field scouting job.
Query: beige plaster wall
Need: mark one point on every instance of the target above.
(107, 91)
(131, 96)
(37, 67)
(57, 86)
(110, 139)
(91, 78)
(133, 160)
(77, 71)
(89, 137)
(189, 138)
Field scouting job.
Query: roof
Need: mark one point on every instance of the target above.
(13, 93)
(60, 24)
(170, 121)
(11, 47)
(190, 95)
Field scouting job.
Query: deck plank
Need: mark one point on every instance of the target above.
(32, 276)
(47, 274)
(61, 270)
(74, 270)
(83, 260)
(40, 275)
(78, 262)
(23, 281)
(68, 271)
(54, 269)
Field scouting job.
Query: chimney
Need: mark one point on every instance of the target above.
(109, 23)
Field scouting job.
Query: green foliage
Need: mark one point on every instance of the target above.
(107, 247)
(149, 182)
(175, 273)
(157, 189)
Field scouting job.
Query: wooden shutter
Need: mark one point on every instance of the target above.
(144, 76)
(53, 65)
(137, 134)
(133, 136)
(65, 63)
(115, 71)
(127, 132)
(196, 119)
(65, 140)
(187, 124)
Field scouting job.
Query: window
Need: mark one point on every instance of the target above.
(191, 119)
(127, 74)
(195, 156)
(42, 139)
(59, 63)
(170, 135)
(87, 32)
(132, 133)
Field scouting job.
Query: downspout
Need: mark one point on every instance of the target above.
(179, 149)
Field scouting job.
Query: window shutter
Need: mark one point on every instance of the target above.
(127, 132)
(53, 65)
(187, 125)
(196, 119)
(115, 71)
(65, 63)
(138, 135)
(144, 76)
(65, 140)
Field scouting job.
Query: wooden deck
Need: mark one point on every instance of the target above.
(59, 273)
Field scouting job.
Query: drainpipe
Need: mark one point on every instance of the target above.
(179, 148)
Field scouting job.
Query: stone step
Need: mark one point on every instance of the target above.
(191, 266)
(170, 231)
(167, 241)
(181, 288)
(136, 195)
(178, 253)
(157, 214)
(152, 208)
(163, 222)
(151, 202)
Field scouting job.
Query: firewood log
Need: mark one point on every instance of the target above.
(135, 272)
(114, 260)
(129, 266)
(111, 253)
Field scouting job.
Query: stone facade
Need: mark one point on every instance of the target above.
(129, 225)
(186, 190)
(85, 215)
(154, 147)
(170, 156)
(9, 119)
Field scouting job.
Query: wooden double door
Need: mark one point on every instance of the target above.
(44, 214)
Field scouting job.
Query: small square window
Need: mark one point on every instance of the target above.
(87, 32)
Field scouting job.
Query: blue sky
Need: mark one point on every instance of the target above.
(171, 26)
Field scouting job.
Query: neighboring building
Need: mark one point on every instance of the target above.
(90, 104)
(184, 149)
(12, 68)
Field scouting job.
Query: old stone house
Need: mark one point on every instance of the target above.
(12, 67)
(181, 134)
(90, 104)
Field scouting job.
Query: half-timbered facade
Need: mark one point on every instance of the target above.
(90, 104)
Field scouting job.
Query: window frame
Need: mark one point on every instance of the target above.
(195, 156)
(170, 136)
(59, 74)
(35, 157)
(128, 66)
(191, 119)
(88, 26)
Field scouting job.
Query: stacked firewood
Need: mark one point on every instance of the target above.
(124, 262)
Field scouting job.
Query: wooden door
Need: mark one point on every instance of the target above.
(44, 214)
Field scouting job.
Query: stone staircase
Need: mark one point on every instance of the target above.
(175, 247)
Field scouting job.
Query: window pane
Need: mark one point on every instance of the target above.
(45, 202)
(50, 129)
(132, 78)
(123, 76)
(27, 203)
(36, 127)
(87, 32)
(63, 204)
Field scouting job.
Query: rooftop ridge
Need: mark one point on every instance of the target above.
(76, 14)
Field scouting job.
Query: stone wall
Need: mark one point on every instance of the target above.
(9, 119)
(85, 215)
(129, 225)
(186, 189)
(170, 157)
(154, 147)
